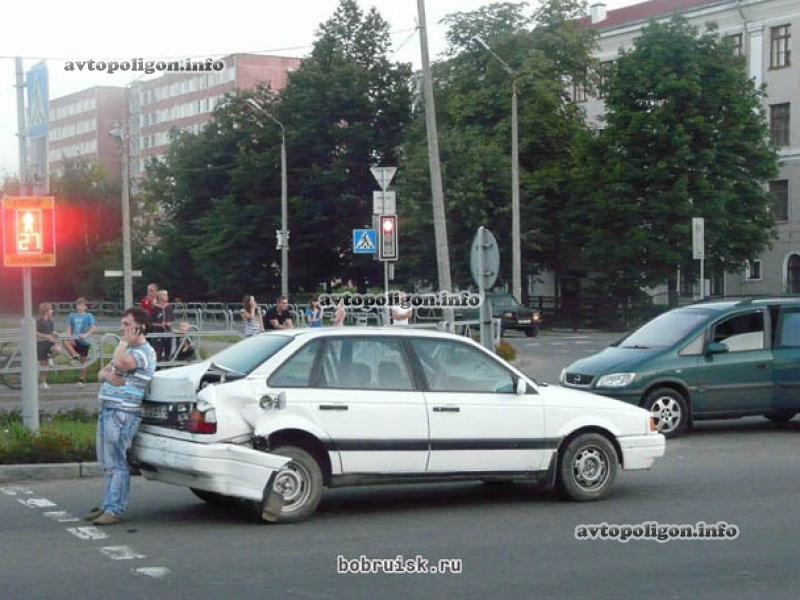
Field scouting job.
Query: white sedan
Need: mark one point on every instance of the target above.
(277, 417)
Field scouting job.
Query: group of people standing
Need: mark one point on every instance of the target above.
(280, 316)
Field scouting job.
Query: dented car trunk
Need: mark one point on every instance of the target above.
(173, 447)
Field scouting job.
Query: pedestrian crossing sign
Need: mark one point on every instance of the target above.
(365, 241)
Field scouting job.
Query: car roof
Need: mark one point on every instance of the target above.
(394, 331)
(725, 305)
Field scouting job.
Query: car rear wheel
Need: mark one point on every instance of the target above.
(587, 468)
(300, 484)
(215, 499)
(669, 411)
(780, 417)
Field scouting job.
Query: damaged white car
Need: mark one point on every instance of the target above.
(278, 417)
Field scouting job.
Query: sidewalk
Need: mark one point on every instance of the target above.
(60, 397)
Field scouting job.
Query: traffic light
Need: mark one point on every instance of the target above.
(28, 231)
(387, 246)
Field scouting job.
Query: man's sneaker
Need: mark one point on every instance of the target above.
(81, 383)
(44, 386)
(75, 361)
(51, 363)
(94, 512)
(107, 519)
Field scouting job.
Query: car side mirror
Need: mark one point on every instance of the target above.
(717, 348)
(522, 387)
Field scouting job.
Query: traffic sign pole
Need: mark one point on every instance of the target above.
(30, 385)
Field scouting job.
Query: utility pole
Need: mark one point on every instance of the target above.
(30, 371)
(437, 193)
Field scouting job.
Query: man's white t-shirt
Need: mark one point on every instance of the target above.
(400, 315)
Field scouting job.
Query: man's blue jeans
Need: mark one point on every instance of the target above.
(115, 432)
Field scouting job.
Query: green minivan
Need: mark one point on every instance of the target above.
(712, 360)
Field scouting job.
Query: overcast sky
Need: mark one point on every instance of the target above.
(58, 30)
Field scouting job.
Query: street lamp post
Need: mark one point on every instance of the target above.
(516, 252)
(283, 236)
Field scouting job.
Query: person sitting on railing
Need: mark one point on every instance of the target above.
(47, 344)
(80, 325)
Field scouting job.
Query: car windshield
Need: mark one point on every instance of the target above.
(502, 301)
(665, 329)
(248, 354)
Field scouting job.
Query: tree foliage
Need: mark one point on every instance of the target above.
(685, 137)
(473, 96)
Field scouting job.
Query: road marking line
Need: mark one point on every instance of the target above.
(14, 490)
(120, 553)
(558, 344)
(581, 343)
(154, 572)
(87, 533)
(37, 502)
(61, 516)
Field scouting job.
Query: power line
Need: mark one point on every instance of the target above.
(190, 56)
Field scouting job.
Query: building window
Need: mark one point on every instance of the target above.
(752, 270)
(780, 201)
(603, 71)
(779, 123)
(580, 90)
(737, 43)
(779, 54)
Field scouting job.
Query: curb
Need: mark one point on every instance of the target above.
(45, 471)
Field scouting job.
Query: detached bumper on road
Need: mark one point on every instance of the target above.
(226, 469)
(640, 451)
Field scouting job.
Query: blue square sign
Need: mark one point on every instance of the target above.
(365, 241)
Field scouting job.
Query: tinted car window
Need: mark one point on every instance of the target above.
(248, 354)
(366, 364)
(666, 329)
(296, 371)
(741, 332)
(790, 329)
(455, 367)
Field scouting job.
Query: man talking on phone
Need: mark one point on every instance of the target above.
(124, 381)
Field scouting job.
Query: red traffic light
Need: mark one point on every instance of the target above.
(29, 231)
(387, 246)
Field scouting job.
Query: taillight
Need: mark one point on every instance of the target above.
(198, 423)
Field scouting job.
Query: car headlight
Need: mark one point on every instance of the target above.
(615, 380)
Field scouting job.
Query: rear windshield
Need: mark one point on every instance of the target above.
(666, 329)
(502, 300)
(248, 354)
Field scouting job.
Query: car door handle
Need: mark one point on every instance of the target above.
(762, 366)
(333, 407)
(446, 409)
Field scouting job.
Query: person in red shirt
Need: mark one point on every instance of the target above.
(148, 302)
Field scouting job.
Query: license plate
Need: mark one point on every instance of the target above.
(156, 411)
(524, 321)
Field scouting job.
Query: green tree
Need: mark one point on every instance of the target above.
(473, 95)
(685, 137)
(345, 109)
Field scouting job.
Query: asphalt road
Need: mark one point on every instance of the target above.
(514, 541)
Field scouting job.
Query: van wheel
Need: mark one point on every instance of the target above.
(780, 417)
(299, 482)
(669, 410)
(587, 468)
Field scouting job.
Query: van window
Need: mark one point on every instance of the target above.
(694, 347)
(790, 330)
(742, 332)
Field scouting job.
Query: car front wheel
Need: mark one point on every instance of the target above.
(780, 417)
(587, 468)
(669, 411)
(299, 483)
